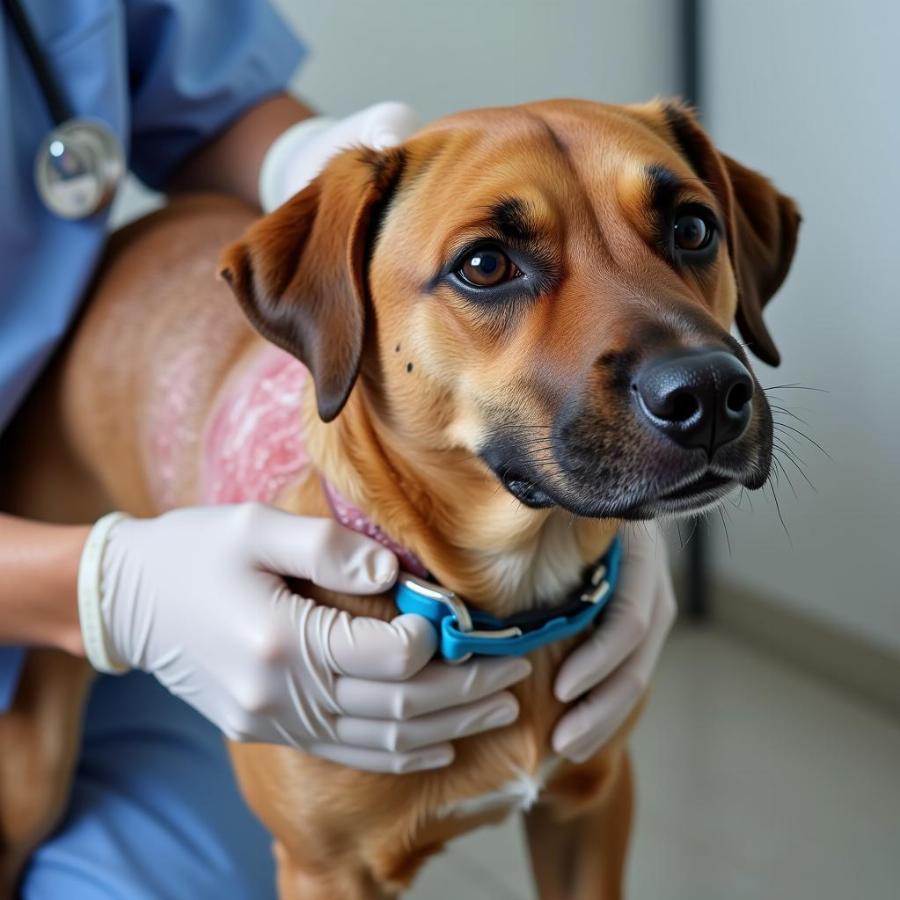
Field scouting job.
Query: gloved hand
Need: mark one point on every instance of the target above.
(612, 668)
(196, 597)
(297, 156)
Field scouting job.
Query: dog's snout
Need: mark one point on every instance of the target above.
(701, 398)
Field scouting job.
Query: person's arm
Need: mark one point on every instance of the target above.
(231, 161)
(278, 147)
(198, 598)
(38, 590)
(209, 102)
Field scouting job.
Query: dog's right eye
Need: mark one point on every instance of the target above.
(485, 267)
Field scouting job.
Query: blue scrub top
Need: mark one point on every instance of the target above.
(166, 75)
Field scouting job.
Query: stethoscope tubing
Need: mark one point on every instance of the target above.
(81, 161)
(57, 104)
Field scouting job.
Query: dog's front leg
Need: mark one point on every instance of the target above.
(578, 850)
(337, 880)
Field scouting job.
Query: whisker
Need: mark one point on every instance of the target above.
(803, 474)
(725, 527)
(780, 516)
(795, 387)
(804, 436)
(787, 477)
(795, 461)
(786, 411)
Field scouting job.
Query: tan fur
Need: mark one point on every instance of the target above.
(403, 448)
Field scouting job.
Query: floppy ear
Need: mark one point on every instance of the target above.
(300, 275)
(762, 226)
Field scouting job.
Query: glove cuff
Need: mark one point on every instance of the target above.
(273, 174)
(90, 595)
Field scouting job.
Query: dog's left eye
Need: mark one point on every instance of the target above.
(693, 231)
(487, 266)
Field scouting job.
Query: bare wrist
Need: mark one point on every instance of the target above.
(67, 633)
(39, 590)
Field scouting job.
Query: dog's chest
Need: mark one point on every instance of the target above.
(520, 793)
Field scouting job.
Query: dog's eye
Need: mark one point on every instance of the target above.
(487, 267)
(692, 232)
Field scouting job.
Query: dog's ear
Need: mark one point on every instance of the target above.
(762, 226)
(300, 274)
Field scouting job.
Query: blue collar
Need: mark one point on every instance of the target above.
(463, 631)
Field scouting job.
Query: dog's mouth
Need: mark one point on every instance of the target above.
(525, 490)
(682, 494)
(691, 496)
(660, 482)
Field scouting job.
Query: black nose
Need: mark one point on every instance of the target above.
(702, 398)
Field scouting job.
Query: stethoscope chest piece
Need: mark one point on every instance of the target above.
(78, 168)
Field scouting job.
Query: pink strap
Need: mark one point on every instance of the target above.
(354, 518)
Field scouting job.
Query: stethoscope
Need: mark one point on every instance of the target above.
(80, 163)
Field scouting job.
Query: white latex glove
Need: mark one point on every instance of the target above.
(612, 668)
(297, 156)
(197, 597)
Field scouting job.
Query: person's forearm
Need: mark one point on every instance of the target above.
(231, 161)
(39, 583)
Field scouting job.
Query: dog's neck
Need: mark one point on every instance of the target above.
(445, 507)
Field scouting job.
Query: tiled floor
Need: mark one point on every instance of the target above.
(755, 783)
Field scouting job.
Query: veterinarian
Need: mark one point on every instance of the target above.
(190, 95)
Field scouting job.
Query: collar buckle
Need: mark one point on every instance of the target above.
(415, 595)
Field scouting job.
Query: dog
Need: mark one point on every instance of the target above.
(498, 341)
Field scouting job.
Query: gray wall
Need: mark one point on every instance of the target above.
(808, 93)
(445, 55)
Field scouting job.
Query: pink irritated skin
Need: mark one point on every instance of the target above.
(253, 447)
(171, 419)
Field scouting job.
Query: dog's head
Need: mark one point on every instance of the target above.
(550, 288)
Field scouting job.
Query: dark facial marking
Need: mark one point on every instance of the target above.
(409, 367)
(388, 169)
(687, 139)
(510, 218)
(664, 187)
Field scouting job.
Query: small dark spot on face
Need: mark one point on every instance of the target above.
(397, 349)
(409, 367)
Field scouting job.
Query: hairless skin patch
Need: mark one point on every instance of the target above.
(177, 385)
(253, 446)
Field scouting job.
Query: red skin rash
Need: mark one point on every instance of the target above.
(253, 447)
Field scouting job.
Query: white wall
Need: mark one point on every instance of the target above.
(809, 92)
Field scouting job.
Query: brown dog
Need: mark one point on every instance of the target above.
(517, 330)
